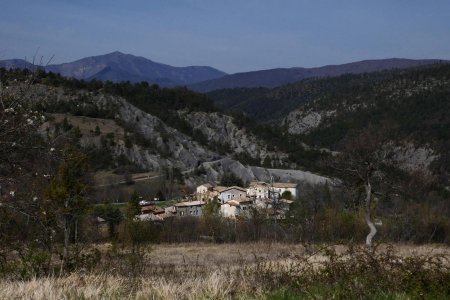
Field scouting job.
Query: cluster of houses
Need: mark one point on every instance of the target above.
(234, 201)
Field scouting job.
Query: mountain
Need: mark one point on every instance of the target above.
(277, 77)
(118, 67)
(149, 128)
(15, 64)
(325, 112)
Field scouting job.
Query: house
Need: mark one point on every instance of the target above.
(258, 190)
(281, 187)
(219, 189)
(204, 188)
(189, 208)
(231, 193)
(240, 207)
(204, 192)
(151, 213)
(152, 209)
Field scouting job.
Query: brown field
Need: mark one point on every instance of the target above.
(191, 271)
(235, 254)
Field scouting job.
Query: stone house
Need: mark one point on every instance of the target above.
(190, 208)
(240, 207)
(258, 190)
(204, 192)
(231, 193)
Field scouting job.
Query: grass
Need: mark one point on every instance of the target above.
(249, 271)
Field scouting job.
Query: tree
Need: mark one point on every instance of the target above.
(135, 231)
(97, 130)
(26, 161)
(67, 192)
(230, 179)
(210, 220)
(160, 196)
(361, 164)
(286, 195)
(112, 216)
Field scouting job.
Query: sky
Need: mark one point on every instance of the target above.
(233, 36)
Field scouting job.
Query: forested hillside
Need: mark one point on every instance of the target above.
(132, 128)
(277, 77)
(323, 112)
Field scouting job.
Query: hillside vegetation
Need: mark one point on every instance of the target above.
(277, 77)
(323, 112)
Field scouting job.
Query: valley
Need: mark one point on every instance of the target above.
(149, 170)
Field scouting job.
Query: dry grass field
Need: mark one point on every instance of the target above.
(227, 271)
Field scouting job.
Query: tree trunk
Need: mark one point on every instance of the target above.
(75, 235)
(66, 235)
(369, 222)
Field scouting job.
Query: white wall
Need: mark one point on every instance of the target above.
(260, 192)
(228, 211)
(292, 190)
(231, 194)
(201, 189)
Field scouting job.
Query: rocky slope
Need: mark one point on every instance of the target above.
(117, 129)
(220, 128)
(324, 112)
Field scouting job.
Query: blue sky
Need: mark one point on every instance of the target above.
(233, 36)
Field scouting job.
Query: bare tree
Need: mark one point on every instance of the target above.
(26, 163)
(361, 163)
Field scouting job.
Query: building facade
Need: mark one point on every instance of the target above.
(190, 208)
(231, 193)
(258, 190)
(237, 208)
(281, 187)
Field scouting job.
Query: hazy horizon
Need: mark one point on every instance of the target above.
(233, 36)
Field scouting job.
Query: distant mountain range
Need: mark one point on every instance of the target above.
(278, 77)
(118, 66)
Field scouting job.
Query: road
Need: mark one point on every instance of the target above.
(148, 177)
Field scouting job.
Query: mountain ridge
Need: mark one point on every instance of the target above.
(117, 66)
(271, 78)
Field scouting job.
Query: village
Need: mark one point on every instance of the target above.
(273, 199)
